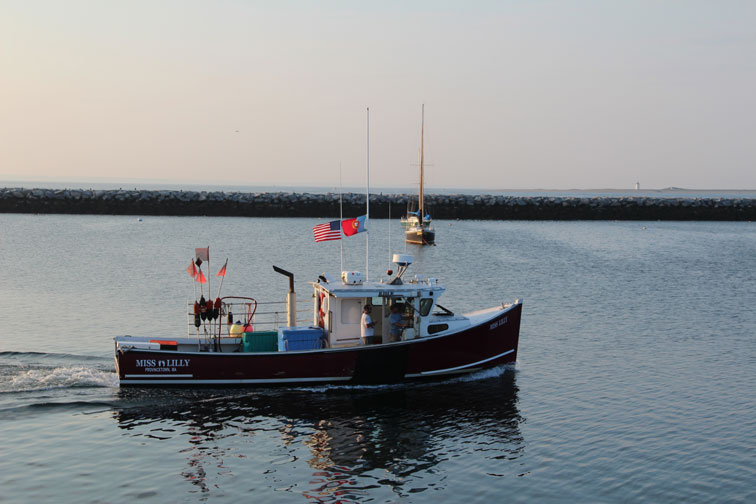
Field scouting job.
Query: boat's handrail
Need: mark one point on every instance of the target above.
(243, 313)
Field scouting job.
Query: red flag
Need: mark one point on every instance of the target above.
(354, 226)
(191, 269)
(202, 253)
(222, 271)
(200, 277)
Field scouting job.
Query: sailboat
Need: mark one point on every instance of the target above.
(417, 224)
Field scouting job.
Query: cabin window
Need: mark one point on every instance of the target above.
(437, 328)
(425, 306)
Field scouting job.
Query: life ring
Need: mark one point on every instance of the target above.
(321, 311)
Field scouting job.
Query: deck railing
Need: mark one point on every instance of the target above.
(262, 315)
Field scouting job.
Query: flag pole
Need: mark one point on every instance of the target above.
(202, 289)
(389, 226)
(222, 277)
(194, 283)
(209, 292)
(341, 219)
(191, 310)
(367, 204)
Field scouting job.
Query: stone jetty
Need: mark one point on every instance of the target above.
(442, 206)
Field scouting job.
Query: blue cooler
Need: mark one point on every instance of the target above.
(300, 338)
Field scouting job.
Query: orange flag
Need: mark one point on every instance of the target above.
(200, 277)
(191, 269)
(222, 271)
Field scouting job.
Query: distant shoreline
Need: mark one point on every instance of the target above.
(306, 204)
(640, 191)
(158, 185)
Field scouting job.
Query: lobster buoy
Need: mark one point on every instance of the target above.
(195, 308)
(203, 308)
(217, 308)
(197, 320)
(230, 318)
(236, 330)
(209, 309)
(248, 328)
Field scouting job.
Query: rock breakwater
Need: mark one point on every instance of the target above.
(443, 206)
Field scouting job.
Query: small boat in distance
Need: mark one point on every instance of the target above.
(237, 340)
(417, 224)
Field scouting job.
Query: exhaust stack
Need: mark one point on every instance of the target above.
(291, 298)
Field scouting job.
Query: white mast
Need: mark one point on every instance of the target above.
(389, 233)
(367, 203)
(341, 219)
(422, 134)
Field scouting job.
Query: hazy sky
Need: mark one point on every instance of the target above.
(518, 94)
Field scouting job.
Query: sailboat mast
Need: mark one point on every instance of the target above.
(422, 135)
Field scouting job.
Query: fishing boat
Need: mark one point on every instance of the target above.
(238, 340)
(417, 224)
(228, 342)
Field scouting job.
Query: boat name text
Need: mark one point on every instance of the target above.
(161, 366)
(498, 323)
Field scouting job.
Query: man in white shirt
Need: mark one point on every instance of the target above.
(366, 328)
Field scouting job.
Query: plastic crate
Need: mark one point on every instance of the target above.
(304, 338)
(260, 341)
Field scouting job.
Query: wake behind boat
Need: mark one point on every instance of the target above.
(430, 341)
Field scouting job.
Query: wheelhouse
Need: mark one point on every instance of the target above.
(338, 308)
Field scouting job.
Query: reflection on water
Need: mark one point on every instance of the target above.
(353, 439)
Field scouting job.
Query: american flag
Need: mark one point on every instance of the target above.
(328, 231)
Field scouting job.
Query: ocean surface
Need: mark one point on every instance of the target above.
(635, 380)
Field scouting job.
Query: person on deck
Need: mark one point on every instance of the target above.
(396, 324)
(366, 328)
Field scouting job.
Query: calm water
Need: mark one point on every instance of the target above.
(635, 379)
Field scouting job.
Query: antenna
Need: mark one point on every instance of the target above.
(341, 219)
(367, 203)
(389, 226)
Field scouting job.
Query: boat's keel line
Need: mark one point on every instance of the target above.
(458, 368)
